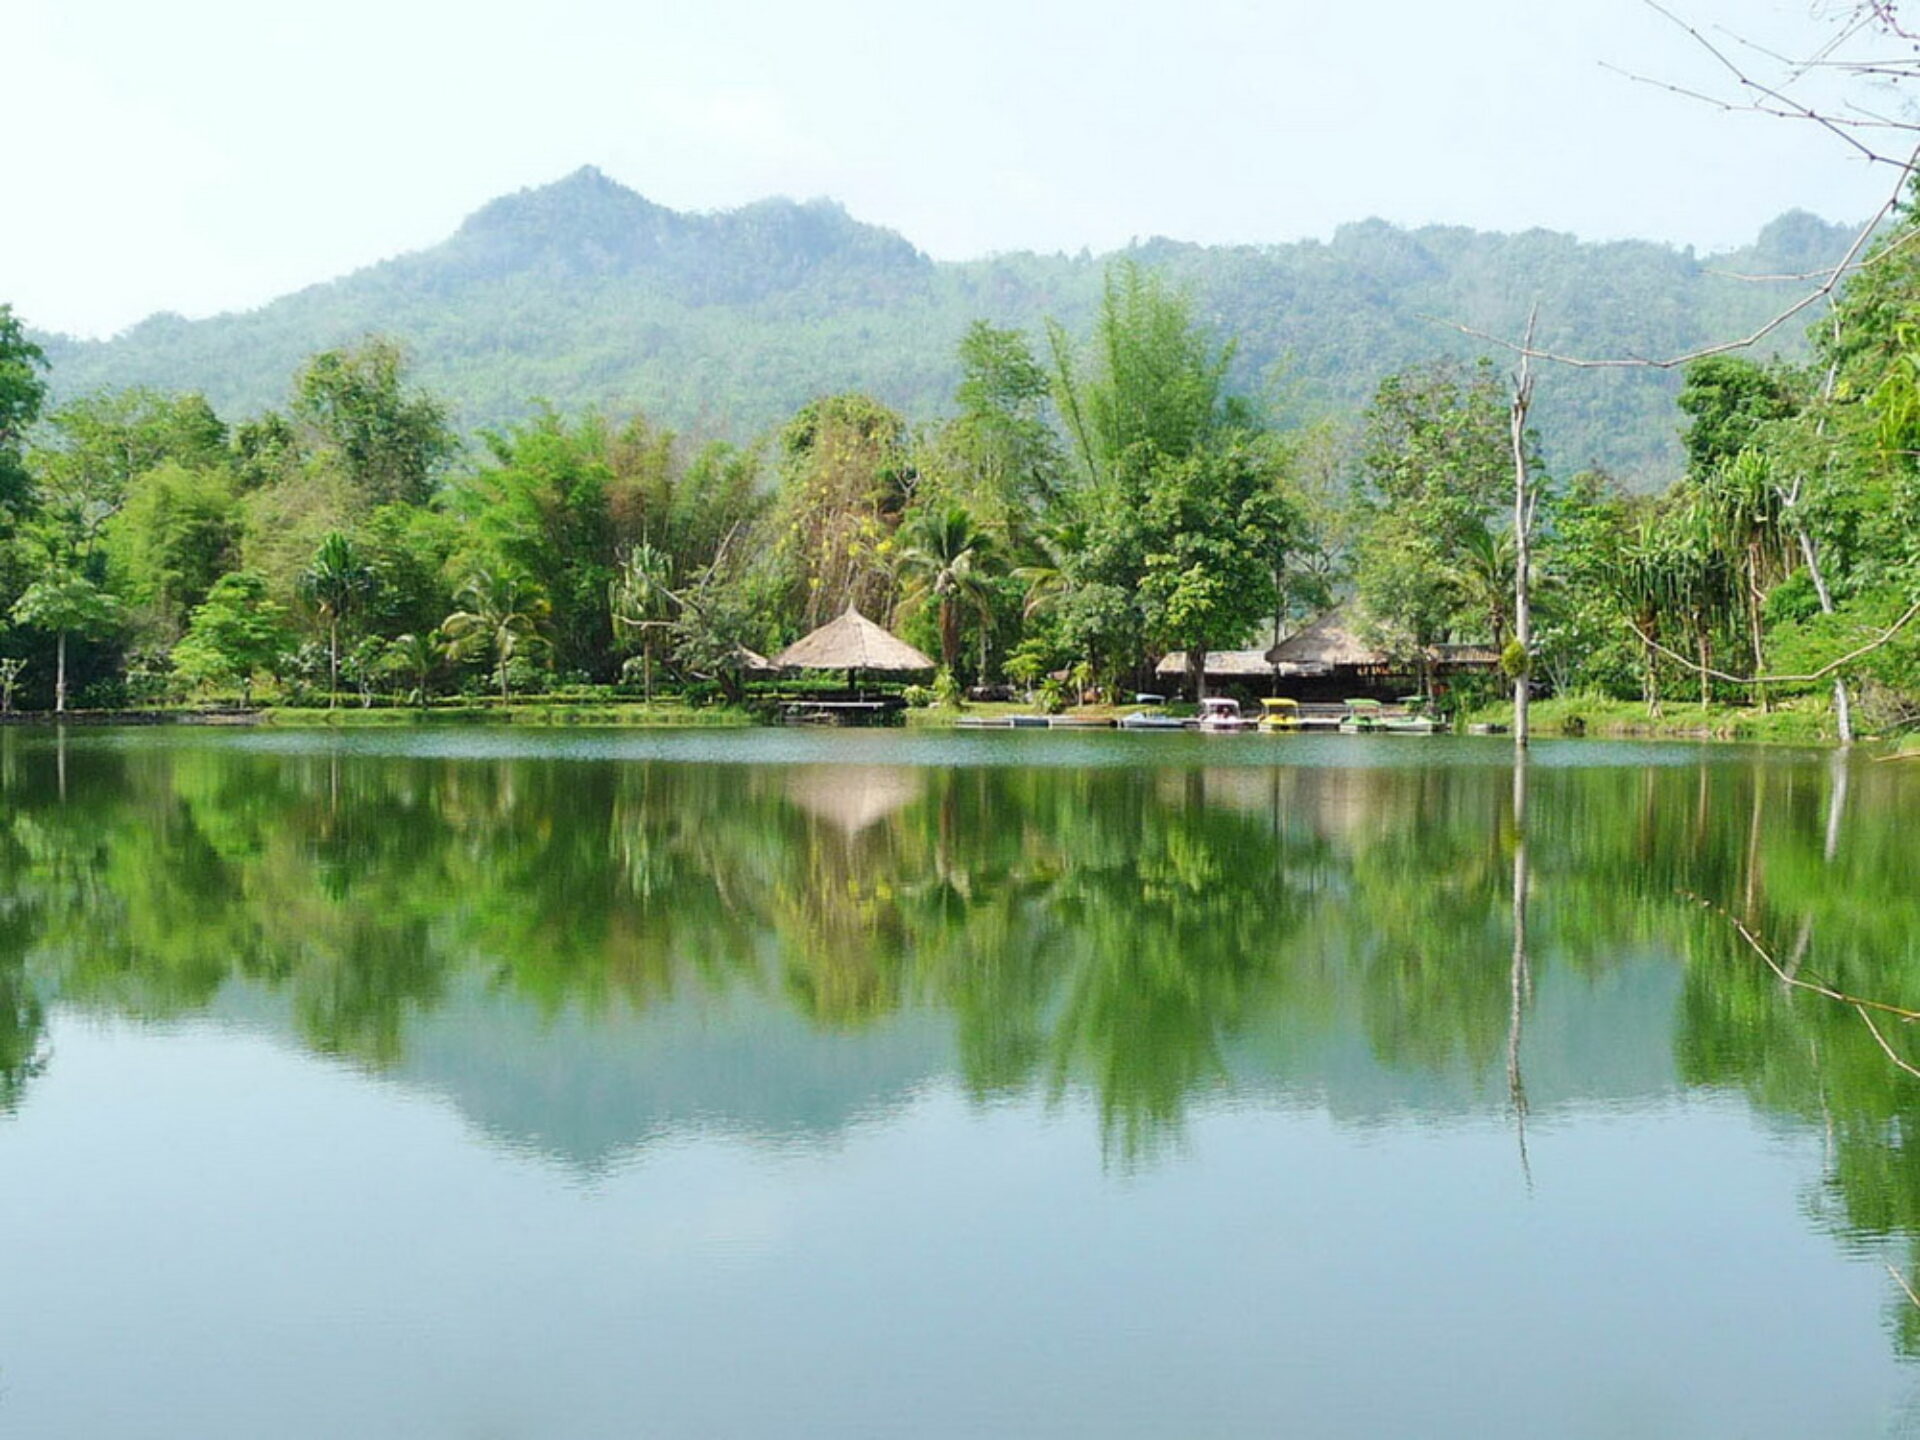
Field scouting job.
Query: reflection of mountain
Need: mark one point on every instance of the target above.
(589, 1090)
(1604, 1040)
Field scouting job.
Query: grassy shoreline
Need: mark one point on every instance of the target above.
(1801, 721)
(1804, 721)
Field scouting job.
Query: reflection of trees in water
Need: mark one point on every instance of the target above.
(1107, 930)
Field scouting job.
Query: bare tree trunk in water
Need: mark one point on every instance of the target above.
(1523, 500)
(1520, 978)
(1840, 774)
(1754, 601)
(1754, 820)
(1842, 702)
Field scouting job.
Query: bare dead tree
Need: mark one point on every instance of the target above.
(1890, 59)
(1878, 140)
(1526, 496)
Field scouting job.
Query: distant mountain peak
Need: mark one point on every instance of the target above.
(587, 223)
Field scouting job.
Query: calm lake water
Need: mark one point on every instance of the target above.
(539, 1084)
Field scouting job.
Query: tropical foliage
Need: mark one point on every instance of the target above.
(1102, 495)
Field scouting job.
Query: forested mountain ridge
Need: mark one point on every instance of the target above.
(584, 293)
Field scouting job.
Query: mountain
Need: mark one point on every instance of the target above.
(583, 292)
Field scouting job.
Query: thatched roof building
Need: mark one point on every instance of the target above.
(1461, 659)
(1221, 665)
(1327, 645)
(852, 642)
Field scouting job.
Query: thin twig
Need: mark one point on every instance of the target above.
(1901, 1281)
(1874, 1030)
(1825, 670)
(1794, 980)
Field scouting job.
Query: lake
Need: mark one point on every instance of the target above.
(503, 1083)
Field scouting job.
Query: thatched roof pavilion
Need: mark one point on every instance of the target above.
(1327, 645)
(1221, 665)
(850, 643)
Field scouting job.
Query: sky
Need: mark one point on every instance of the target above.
(208, 155)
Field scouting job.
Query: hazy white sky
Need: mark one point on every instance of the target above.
(203, 155)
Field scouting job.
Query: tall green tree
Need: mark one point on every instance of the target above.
(235, 633)
(388, 438)
(846, 479)
(1214, 525)
(643, 601)
(1155, 379)
(23, 392)
(499, 614)
(1437, 461)
(336, 585)
(947, 559)
(65, 602)
(999, 457)
(176, 534)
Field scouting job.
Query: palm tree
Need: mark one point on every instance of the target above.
(1484, 570)
(417, 657)
(946, 556)
(641, 600)
(1048, 579)
(335, 584)
(501, 612)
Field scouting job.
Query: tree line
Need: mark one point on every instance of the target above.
(1096, 501)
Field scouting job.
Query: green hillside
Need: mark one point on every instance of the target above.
(584, 293)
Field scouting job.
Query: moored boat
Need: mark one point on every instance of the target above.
(1279, 715)
(1363, 717)
(1220, 714)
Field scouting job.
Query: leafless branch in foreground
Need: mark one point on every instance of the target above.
(1825, 670)
(1813, 987)
(1904, 1284)
(1757, 96)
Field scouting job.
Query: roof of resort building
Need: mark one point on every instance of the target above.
(1220, 662)
(1472, 655)
(1328, 640)
(852, 642)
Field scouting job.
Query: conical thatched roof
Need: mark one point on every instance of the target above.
(1229, 664)
(852, 642)
(1329, 640)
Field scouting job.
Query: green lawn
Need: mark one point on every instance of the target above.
(1796, 721)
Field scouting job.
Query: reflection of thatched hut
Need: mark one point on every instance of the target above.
(852, 797)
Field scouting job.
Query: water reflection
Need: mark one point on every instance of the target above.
(588, 953)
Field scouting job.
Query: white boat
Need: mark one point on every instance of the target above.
(1220, 714)
(1148, 720)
